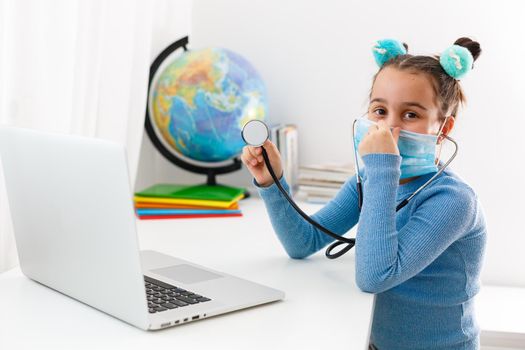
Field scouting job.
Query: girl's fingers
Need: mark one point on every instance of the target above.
(395, 133)
(253, 155)
(251, 149)
(250, 157)
(382, 125)
(243, 160)
(256, 153)
(247, 156)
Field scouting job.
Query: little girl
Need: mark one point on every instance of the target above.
(422, 262)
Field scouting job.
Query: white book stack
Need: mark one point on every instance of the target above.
(319, 183)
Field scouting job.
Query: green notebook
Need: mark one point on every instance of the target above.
(205, 192)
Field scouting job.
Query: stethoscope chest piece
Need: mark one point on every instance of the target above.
(255, 133)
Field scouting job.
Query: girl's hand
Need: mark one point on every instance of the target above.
(253, 159)
(380, 140)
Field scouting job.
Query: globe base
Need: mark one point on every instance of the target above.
(212, 181)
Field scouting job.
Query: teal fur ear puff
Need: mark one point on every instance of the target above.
(456, 61)
(386, 49)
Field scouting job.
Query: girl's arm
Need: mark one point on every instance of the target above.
(299, 238)
(386, 257)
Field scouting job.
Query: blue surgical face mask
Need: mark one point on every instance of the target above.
(417, 151)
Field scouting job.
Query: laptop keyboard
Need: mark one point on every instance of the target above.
(163, 296)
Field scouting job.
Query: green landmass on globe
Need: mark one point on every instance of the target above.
(202, 99)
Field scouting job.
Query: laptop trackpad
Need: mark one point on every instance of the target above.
(186, 274)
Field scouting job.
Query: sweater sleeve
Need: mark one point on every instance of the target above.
(386, 256)
(298, 237)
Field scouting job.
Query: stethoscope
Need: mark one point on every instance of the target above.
(255, 133)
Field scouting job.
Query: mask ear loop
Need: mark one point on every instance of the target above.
(356, 160)
(436, 162)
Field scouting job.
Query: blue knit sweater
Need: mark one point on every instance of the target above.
(423, 262)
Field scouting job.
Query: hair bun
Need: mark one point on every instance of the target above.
(471, 45)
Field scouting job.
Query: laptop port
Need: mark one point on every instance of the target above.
(185, 320)
(165, 324)
(195, 317)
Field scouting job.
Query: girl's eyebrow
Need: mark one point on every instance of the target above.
(414, 104)
(382, 100)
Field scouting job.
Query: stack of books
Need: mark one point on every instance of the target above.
(167, 201)
(319, 183)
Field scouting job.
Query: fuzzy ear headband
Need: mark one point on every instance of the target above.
(456, 60)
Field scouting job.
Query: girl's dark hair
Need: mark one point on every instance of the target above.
(447, 89)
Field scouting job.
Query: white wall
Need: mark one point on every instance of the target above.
(172, 21)
(315, 57)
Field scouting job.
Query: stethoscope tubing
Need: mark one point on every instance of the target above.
(340, 240)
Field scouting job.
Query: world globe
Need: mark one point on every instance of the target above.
(199, 101)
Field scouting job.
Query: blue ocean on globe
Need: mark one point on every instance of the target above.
(201, 101)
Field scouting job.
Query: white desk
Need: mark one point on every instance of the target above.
(501, 316)
(323, 307)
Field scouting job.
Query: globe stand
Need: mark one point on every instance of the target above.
(211, 179)
(210, 172)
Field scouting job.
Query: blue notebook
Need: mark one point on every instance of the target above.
(185, 211)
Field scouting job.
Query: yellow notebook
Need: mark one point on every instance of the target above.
(201, 202)
(179, 206)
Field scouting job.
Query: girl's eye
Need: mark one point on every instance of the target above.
(380, 111)
(411, 115)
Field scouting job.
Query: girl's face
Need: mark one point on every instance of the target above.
(405, 99)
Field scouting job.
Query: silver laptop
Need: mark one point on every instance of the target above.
(74, 225)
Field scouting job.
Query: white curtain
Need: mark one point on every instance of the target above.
(74, 66)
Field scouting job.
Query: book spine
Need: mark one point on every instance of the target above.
(285, 138)
(282, 151)
(293, 156)
(274, 133)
